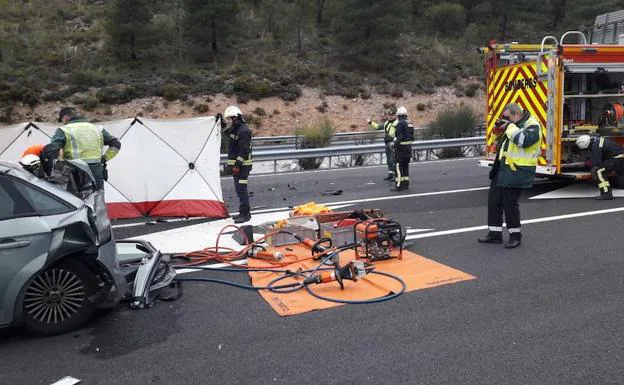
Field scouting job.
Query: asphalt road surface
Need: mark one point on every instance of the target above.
(549, 312)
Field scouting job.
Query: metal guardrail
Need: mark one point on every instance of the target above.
(293, 140)
(360, 149)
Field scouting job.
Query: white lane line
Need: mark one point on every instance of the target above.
(426, 194)
(525, 222)
(412, 231)
(334, 204)
(475, 160)
(67, 381)
(584, 190)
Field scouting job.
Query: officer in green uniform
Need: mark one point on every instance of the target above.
(519, 144)
(389, 127)
(82, 140)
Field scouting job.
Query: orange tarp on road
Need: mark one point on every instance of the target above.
(418, 273)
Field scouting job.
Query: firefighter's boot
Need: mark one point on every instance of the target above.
(492, 237)
(401, 187)
(389, 177)
(604, 196)
(514, 241)
(243, 215)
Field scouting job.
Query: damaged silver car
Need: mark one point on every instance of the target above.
(59, 261)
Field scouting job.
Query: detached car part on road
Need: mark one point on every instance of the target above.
(59, 261)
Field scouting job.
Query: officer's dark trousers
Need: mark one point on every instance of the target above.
(97, 169)
(240, 184)
(390, 158)
(503, 200)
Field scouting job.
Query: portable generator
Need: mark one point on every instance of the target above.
(379, 239)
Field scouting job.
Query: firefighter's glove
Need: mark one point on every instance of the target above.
(235, 170)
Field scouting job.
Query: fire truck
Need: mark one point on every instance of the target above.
(571, 88)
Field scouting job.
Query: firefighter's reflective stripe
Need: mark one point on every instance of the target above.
(604, 183)
(513, 231)
(495, 228)
(83, 141)
(406, 143)
(601, 142)
(240, 158)
(398, 176)
(232, 162)
(242, 181)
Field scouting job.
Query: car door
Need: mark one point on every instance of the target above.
(24, 237)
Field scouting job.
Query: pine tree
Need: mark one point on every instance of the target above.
(128, 27)
(210, 22)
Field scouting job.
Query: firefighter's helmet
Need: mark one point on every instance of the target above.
(583, 141)
(401, 111)
(232, 112)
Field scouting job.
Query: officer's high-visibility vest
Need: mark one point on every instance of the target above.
(83, 140)
(521, 156)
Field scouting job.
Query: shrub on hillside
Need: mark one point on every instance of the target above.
(315, 136)
(447, 18)
(172, 92)
(117, 95)
(471, 89)
(453, 122)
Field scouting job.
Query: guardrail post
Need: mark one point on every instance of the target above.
(275, 166)
(330, 161)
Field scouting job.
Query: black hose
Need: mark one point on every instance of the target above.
(236, 284)
(365, 301)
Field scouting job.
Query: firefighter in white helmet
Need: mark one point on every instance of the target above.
(606, 157)
(404, 136)
(239, 158)
(32, 164)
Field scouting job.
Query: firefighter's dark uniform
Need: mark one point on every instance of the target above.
(514, 169)
(80, 139)
(239, 155)
(389, 127)
(606, 157)
(403, 148)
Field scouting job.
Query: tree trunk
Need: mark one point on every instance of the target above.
(503, 28)
(559, 12)
(319, 12)
(133, 55)
(213, 26)
(299, 40)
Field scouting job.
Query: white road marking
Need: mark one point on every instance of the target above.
(577, 190)
(525, 222)
(425, 162)
(412, 231)
(67, 381)
(336, 204)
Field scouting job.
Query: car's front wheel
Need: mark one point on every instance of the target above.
(57, 300)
